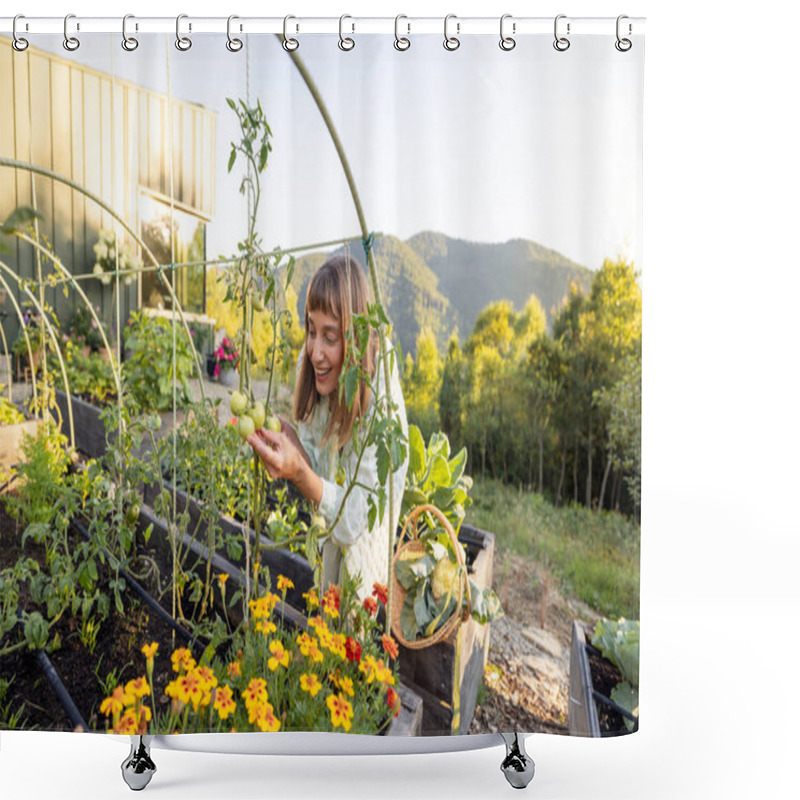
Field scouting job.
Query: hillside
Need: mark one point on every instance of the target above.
(434, 281)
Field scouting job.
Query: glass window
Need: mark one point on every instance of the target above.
(157, 219)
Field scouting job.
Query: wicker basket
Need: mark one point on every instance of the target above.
(414, 548)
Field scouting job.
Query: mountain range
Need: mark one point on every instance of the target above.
(442, 283)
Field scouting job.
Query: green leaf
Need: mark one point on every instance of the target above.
(422, 610)
(350, 385)
(231, 103)
(231, 159)
(416, 454)
(625, 695)
(408, 620)
(413, 498)
(406, 576)
(36, 630)
(457, 465)
(19, 218)
(438, 473)
(262, 157)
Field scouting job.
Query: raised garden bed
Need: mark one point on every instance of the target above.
(591, 680)
(11, 441)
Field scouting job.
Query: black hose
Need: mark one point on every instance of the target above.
(146, 596)
(63, 695)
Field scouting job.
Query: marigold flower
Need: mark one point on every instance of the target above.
(191, 689)
(149, 650)
(280, 655)
(182, 660)
(390, 646)
(312, 601)
(137, 688)
(265, 626)
(376, 670)
(114, 704)
(341, 711)
(346, 685)
(265, 718)
(263, 607)
(393, 701)
(224, 704)
(256, 692)
(380, 591)
(331, 600)
(352, 649)
(309, 647)
(127, 724)
(222, 578)
(284, 583)
(318, 624)
(371, 606)
(234, 670)
(310, 683)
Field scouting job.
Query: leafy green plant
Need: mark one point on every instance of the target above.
(9, 719)
(85, 329)
(151, 371)
(619, 643)
(9, 413)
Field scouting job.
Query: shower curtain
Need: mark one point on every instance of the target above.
(165, 206)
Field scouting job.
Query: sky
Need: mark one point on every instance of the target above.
(478, 144)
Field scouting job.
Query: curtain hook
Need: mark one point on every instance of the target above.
(234, 45)
(19, 44)
(401, 43)
(507, 42)
(71, 43)
(451, 42)
(623, 45)
(183, 43)
(561, 43)
(345, 42)
(289, 44)
(128, 42)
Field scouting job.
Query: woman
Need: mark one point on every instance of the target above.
(319, 458)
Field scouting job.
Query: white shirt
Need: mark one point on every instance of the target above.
(365, 551)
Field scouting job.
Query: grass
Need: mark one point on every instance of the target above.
(594, 555)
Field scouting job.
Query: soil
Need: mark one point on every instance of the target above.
(605, 676)
(118, 646)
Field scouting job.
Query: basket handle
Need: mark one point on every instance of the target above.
(414, 516)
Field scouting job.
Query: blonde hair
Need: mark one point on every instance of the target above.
(339, 289)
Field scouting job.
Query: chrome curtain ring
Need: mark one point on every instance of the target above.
(623, 45)
(128, 42)
(345, 42)
(183, 43)
(451, 42)
(71, 43)
(289, 44)
(234, 45)
(401, 43)
(507, 42)
(19, 44)
(561, 43)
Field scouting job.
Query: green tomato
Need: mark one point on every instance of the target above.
(341, 476)
(258, 302)
(132, 514)
(273, 424)
(246, 427)
(238, 403)
(258, 415)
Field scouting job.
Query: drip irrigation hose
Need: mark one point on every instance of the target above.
(61, 692)
(145, 595)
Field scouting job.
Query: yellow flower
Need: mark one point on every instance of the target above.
(127, 724)
(309, 647)
(149, 650)
(317, 624)
(137, 688)
(310, 683)
(222, 578)
(190, 689)
(223, 702)
(116, 702)
(284, 583)
(280, 656)
(256, 692)
(266, 627)
(264, 606)
(312, 601)
(341, 711)
(182, 660)
(341, 682)
(234, 670)
(265, 718)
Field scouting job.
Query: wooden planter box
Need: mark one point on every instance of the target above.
(409, 720)
(11, 441)
(447, 675)
(90, 433)
(582, 709)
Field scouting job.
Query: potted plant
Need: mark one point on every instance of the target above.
(112, 255)
(227, 362)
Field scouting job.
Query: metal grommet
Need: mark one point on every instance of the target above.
(128, 42)
(19, 44)
(623, 45)
(451, 42)
(345, 42)
(71, 43)
(561, 43)
(183, 43)
(507, 42)
(289, 44)
(401, 43)
(234, 45)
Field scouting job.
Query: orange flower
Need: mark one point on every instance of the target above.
(312, 601)
(341, 711)
(379, 591)
(127, 724)
(234, 670)
(280, 656)
(371, 606)
(137, 688)
(284, 583)
(116, 702)
(310, 683)
(393, 701)
(352, 649)
(330, 601)
(223, 701)
(389, 646)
